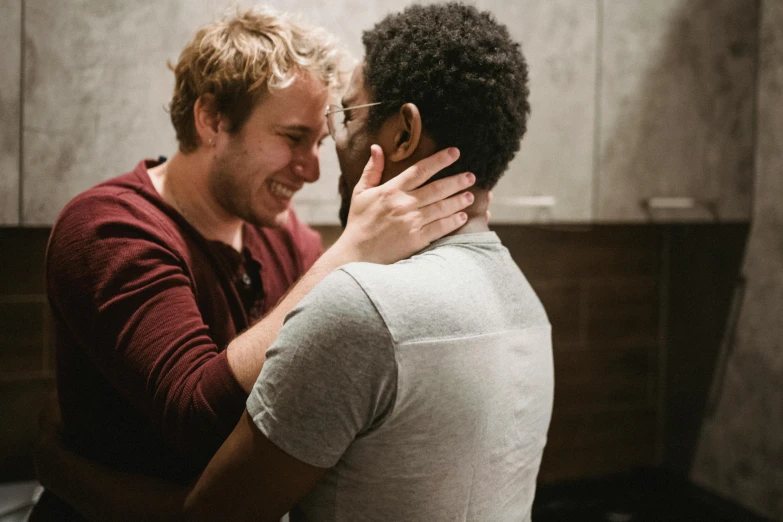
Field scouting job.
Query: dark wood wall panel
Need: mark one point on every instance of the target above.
(601, 287)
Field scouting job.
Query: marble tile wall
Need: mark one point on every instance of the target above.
(740, 452)
(10, 105)
(95, 91)
(96, 86)
(559, 40)
(676, 113)
(668, 86)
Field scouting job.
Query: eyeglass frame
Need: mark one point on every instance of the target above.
(334, 109)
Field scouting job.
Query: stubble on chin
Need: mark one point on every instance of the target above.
(227, 193)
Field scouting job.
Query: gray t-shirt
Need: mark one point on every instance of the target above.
(425, 387)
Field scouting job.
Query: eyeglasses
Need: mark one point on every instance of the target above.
(337, 127)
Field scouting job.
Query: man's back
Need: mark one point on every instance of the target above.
(440, 371)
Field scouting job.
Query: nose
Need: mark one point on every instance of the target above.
(307, 165)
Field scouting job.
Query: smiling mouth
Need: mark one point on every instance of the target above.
(280, 190)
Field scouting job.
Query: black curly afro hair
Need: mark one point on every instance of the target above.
(463, 71)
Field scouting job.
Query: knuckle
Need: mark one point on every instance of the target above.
(409, 221)
(458, 182)
(398, 208)
(385, 199)
(440, 190)
(452, 184)
(442, 207)
(425, 171)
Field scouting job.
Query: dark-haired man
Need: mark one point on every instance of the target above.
(420, 390)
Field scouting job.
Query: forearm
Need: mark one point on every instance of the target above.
(247, 353)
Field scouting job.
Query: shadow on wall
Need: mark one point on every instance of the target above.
(677, 120)
(677, 95)
(740, 451)
(682, 123)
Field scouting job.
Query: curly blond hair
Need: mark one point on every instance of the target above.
(243, 56)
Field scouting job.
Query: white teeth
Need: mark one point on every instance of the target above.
(280, 190)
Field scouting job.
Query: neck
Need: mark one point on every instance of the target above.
(183, 182)
(477, 214)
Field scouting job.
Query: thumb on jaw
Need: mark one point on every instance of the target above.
(371, 176)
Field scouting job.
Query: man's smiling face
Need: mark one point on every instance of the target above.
(257, 170)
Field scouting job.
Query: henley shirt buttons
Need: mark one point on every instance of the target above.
(246, 280)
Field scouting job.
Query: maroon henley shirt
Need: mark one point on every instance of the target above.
(144, 308)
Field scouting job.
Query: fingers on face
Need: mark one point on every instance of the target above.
(373, 170)
(375, 163)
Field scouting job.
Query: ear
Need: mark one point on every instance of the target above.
(207, 119)
(408, 133)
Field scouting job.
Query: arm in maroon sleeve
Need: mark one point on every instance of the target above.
(118, 278)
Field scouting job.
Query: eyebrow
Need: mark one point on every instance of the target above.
(304, 129)
(298, 128)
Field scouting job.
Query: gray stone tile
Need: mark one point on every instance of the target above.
(739, 453)
(677, 94)
(96, 86)
(96, 90)
(556, 157)
(767, 210)
(10, 105)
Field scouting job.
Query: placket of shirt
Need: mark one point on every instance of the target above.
(250, 286)
(245, 275)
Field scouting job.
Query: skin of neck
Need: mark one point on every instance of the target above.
(182, 182)
(477, 211)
